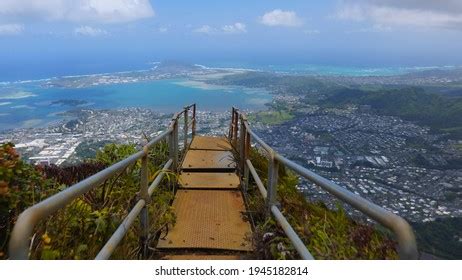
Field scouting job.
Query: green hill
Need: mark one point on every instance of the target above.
(437, 111)
(441, 237)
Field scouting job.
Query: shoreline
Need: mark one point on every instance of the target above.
(309, 69)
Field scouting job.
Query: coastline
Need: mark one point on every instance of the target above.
(300, 69)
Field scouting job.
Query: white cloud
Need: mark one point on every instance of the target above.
(204, 29)
(89, 31)
(235, 28)
(281, 18)
(101, 11)
(11, 29)
(163, 29)
(424, 13)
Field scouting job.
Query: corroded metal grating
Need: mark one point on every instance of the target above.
(208, 219)
(204, 180)
(208, 160)
(210, 143)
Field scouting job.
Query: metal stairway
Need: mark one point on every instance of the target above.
(208, 205)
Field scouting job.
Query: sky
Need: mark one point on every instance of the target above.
(56, 37)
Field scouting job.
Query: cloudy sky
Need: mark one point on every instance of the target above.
(63, 34)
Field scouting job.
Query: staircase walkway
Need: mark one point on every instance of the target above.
(209, 206)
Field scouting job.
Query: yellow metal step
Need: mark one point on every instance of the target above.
(208, 160)
(204, 180)
(210, 143)
(208, 219)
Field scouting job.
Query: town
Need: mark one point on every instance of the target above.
(67, 142)
(394, 163)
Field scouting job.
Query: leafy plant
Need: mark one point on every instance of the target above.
(328, 234)
(81, 229)
(21, 185)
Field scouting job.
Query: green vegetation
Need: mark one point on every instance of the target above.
(459, 146)
(328, 234)
(436, 106)
(81, 229)
(88, 149)
(271, 117)
(296, 85)
(437, 111)
(441, 237)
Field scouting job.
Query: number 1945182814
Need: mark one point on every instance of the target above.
(269, 270)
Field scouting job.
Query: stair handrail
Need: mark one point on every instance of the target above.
(241, 135)
(20, 239)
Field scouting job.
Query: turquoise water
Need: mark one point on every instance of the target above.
(30, 105)
(327, 70)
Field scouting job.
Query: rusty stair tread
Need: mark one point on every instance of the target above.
(209, 180)
(208, 160)
(210, 143)
(208, 219)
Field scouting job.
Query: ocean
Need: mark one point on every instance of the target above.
(24, 105)
(30, 105)
(327, 70)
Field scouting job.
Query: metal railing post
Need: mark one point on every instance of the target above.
(172, 147)
(176, 144)
(185, 128)
(194, 121)
(273, 170)
(242, 135)
(235, 125)
(246, 157)
(144, 236)
(231, 126)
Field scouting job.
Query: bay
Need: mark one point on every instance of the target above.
(30, 105)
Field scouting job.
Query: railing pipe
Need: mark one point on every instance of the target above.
(242, 135)
(19, 241)
(246, 157)
(20, 237)
(236, 127)
(159, 177)
(185, 128)
(120, 232)
(257, 139)
(231, 126)
(256, 178)
(407, 247)
(176, 141)
(144, 220)
(194, 121)
(173, 146)
(291, 234)
(273, 170)
(157, 139)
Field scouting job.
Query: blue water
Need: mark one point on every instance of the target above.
(164, 96)
(327, 70)
(35, 108)
(12, 71)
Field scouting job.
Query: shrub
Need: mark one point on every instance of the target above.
(328, 234)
